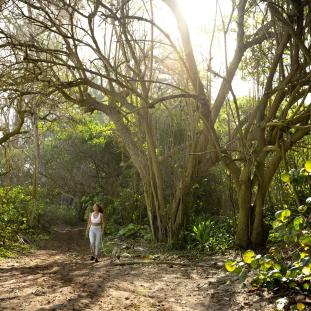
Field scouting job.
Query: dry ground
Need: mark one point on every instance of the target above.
(59, 276)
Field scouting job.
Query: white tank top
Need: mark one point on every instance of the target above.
(95, 220)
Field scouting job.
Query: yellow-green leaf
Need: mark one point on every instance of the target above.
(300, 306)
(307, 269)
(283, 215)
(285, 178)
(308, 166)
(303, 255)
(248, 256)
(302, 208)
(230, 265)
(298, 221)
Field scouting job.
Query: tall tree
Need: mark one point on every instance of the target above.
(280, 116)
(116, 59)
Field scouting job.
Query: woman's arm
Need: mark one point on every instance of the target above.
(88, 226)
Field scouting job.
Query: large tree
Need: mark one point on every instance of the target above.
(114, 57)
(277, 117)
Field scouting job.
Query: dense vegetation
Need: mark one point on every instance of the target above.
(286, 266)
(101, 103)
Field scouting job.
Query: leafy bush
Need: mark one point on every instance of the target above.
(213, 234)
(5, 253)
(135, 231)
(15, 206)
(287, 265)
(127, 207)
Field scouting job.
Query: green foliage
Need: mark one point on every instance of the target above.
(297, 180)
(287, 265)
(15, 205)
(5, 252)
(213, 234)
(127, 207)
(95, 131)
(135, 231)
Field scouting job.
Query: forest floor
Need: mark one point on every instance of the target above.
(59, 276)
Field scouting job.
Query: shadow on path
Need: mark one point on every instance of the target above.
(59, 276)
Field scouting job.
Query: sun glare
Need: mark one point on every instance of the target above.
(200, 16)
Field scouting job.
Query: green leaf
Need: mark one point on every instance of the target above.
(275, 274)
(248, 256)
(283, 215)
(293, 272)
(231, 265)
(303, 255)
(277, 266)
(308, 166)
(285, 178)
(302, 208)
(298, 221)
(243, 275)
(305, 240)
(267, 264)
(276, 224)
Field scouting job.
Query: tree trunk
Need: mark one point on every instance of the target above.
(179, 209)
(244, 199)
(36, 164)
(258, 236)
(259, 232)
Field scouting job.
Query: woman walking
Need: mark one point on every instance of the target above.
(94, 230)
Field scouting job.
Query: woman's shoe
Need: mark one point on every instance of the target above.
(96, 260)
(92, 258)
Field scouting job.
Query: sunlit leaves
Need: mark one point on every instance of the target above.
(298, 222)
(308, 166)
(213, 234)
(231, 265)
(283, 215)
(300, 306)
(14, 212)
(285, 178)
(248, 256)
(287, 264)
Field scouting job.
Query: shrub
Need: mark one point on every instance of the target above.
(213, 234)
(15, 206)
(135, 231)
(287, 265)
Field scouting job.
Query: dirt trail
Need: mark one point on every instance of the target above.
(58, 276)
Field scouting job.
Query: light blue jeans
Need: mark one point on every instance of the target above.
(95, 235)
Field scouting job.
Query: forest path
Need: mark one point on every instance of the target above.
(59, 276)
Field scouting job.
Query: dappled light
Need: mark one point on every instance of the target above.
(155, 155)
